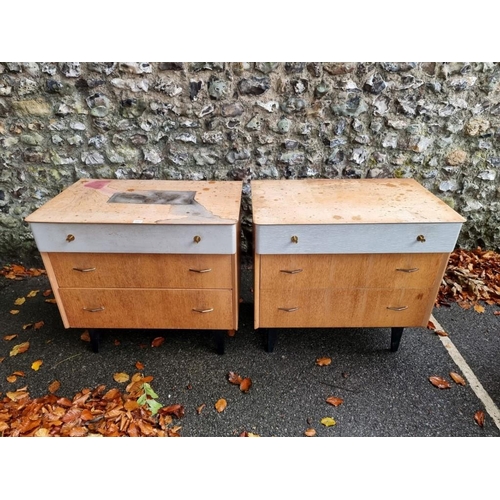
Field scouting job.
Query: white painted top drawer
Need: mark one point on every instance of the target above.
(356, 238)
(136, 238)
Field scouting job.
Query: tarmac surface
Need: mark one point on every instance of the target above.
(384, 393)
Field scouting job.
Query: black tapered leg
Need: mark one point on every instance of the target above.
(396, 333)
(271, 336)
(94, 339)
(219, 337)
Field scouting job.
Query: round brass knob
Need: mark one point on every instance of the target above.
(70, 237)
(421, 238)
(197, 239)
(295, 239)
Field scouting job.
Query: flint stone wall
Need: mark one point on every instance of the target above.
(436, 122)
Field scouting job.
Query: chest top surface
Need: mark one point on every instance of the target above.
(104, 201)
(347, 201)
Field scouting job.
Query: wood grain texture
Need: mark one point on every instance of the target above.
(121, 270)
(86, 201)
(358, 307)
(300, 272)
(347, 201)
(148, 308)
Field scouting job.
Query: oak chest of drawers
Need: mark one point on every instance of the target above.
(348, 253)
(143, 254)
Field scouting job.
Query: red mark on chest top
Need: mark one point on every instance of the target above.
(96, 184)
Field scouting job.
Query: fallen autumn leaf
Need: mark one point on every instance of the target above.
(323, 361)
(157, 342)
(221, 405)
(37, 364)
(234, 378)
(328, 421)
(245, 385)
(20, 348)
(310, 432)
(458, 379)
(334, 401)
(479, 418)
(121, 377)
(439, 382)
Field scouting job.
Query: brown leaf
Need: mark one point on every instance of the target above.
(334, 401)
(10, 337)
(139, 365)
(441, 333)
(131, 405)
(496, 313)
(221, 405)
(121, 377)
(323, 361)
(157, 342)
(234, 378)
(11, 379)
(85, 336)
(17, 395)
(310, 432)
(1, 359)
(54, 386)
(28, 325)
(245, 385)
(47, 293)
(51, 301)
(20, 348)
(14, 311)
(38, 325)
(439, 382)
(431, 325)
(175, 410)
(199, 409)
(479, 418)
(458, 379)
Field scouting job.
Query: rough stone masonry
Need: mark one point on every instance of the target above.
(436, 122)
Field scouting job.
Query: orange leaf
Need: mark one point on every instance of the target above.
(86, 415)
(47, 293)
(234, 378)
(51, 301)
(245, 385)
(441, 333)
(139, 365)
(17, 395)
(479, 418)
(38, 325)
(334, 401)
(54, 386)
(10, 337)
(478, 308)
(1, 359)
(439, 382)
(221, 405)
(310, 432)
(20, 348)
(176, 410)
(85, 336)
(14, 311)
(323, 361)
(431, 325)
(121, 377)
(36, 364)
(157, 342)
(458, 379)
(11, 379)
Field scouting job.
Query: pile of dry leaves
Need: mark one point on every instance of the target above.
(90, 413)
(471, 277)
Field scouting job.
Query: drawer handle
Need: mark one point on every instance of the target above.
(94, 309)
(288, 309)
(203, 310)
(70, 238)
(293, 271)
(197, 239)
(421, 238)
(411, 270)
(200, 270)
(84, 269)
(401, 308)
(294, 239)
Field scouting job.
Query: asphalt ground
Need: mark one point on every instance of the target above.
(385, 394)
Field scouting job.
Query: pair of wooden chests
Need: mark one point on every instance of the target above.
(151, 254)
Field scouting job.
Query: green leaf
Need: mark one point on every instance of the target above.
(149, 391)
(142, 400)
(154, 406)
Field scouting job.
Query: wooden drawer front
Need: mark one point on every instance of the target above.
(285, 272)
(355, 238)
(118, 270)
(136, 238)
(139, 308)
(345, 308)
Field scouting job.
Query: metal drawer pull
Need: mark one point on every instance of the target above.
(203, 310)
(70, 238)
(288, 309)
(200, 270)
(84, 269)
(294, 239)
(94, 310)
(421, 238)
(197, 239)
(411, 270)
(294, 271)
(402, 308)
